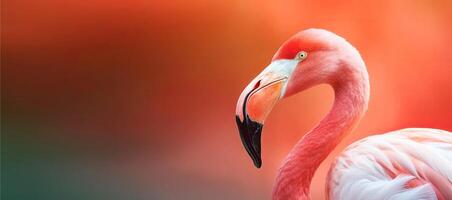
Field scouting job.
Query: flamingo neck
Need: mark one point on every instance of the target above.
(351, 99)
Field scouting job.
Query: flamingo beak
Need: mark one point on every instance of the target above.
(256, 102)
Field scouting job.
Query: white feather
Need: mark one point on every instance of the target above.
(381, 166)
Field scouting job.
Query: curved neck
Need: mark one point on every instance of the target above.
(351, 99)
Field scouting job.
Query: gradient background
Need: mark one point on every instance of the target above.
(136, 99)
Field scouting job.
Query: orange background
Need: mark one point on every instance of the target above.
(135, 99)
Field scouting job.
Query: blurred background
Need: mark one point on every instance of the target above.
(136, 99)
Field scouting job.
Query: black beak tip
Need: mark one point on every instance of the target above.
(257, 162)
(250, 134)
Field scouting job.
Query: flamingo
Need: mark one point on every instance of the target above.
(412, 163)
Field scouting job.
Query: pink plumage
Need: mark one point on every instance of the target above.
(405, 164)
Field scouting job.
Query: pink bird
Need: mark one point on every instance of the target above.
(414, 163)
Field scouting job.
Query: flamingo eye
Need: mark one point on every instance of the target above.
(301, 55)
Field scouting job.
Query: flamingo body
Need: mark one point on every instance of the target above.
(407, 164)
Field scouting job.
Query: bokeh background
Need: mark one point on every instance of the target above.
(136, 99)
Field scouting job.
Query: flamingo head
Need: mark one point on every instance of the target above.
(308, 58)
